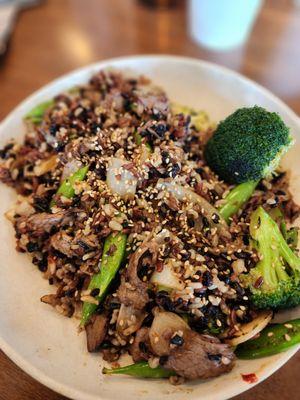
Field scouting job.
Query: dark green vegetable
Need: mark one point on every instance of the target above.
(141, 370)
(36, 114)
(275, 280)
(290, 235)
(247, 145)
(66, 189)
(112, 256)
(236, 198)
(272, 340)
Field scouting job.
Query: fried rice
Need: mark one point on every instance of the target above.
(107, 124)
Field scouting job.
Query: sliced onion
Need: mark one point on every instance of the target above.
(248, 331)
(163, 327)
(129, 320)
(120, 180)
(167, 278)
(183, 194)
(45, 166)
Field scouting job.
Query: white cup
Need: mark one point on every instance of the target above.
(222, 24)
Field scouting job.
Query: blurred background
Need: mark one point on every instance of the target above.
(41, 40)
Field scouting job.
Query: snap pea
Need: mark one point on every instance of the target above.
(66, 189)
(272, 340)
(141, 370)
(112, 256)
(236, 198)
(37, 113)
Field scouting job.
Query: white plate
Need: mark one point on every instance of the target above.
(46, 345)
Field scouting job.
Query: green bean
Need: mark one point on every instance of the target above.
(112, 256)
(272, 340)
(66, 189)
(236, 198)
(141, 370)
(37, 113)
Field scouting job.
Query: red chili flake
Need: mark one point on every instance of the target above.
(129, 166)
(159, 266)
(259, 281)
(249, 378)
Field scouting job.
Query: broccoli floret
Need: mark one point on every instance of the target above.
(275, 280)
(247, 145)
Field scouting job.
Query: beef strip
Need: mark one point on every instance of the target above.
(62, 242)
(141, 349)
(77, 247)
(96, 331)
(200, 357)
(40, 223)
(133, 291)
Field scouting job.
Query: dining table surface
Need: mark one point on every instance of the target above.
(57, 36)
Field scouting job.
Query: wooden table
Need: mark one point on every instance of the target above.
(61, 35)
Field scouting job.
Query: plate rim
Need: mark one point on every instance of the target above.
(9, 351)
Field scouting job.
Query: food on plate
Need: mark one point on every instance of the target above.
(121, 209)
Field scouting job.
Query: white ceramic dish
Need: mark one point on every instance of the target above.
(46, 345)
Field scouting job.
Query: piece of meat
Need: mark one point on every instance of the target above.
(110, 355)
(96, 331)
(133, 291)
(77, 247)
(86, 243)
(200, 357)
(40, 223)
(151, 100)
(141, 348)
(62, 242)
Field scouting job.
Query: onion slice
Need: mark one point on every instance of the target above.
(251, 329)
(129, 320)
(167, 278)
(119, 179)
(163, 327)
(45, 166)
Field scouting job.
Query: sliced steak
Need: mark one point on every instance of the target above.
(133, 291)
(96, 331)
(200, 357)
(40, 223)
(141, 349)
(64, 243)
